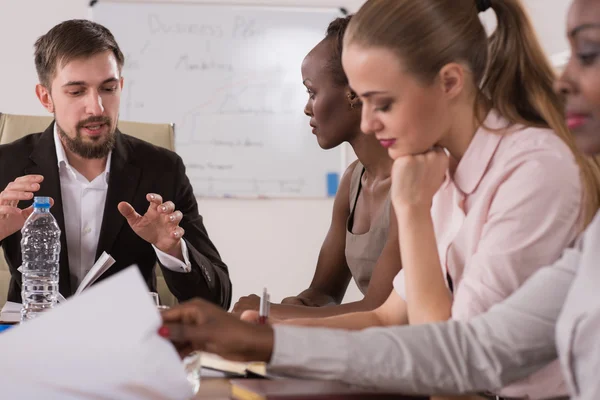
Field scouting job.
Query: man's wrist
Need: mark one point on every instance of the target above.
(174, 251)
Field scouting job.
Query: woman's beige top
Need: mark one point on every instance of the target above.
(363, 250)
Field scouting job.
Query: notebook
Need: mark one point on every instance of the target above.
(239, 369)
(295, 389)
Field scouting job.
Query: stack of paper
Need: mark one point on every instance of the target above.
(11, 312)
(102, 344)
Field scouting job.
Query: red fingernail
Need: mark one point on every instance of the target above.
(164, 332)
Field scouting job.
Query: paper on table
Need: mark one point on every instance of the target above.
(11, 307)
(217, 363)
(11, 312)
(211, 373)
(100, 344)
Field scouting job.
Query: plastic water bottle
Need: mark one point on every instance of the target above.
(40, 250)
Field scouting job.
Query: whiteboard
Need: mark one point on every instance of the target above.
(229, 78)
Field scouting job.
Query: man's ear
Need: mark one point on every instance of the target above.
(43, 94)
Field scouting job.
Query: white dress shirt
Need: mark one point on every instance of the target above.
(83, 207)
(556, 312)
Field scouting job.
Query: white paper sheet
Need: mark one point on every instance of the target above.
(102, 344)
(11, 307)
(211, 373)
(11, 312)
(105, 261)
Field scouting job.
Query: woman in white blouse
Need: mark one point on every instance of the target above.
(557, 311)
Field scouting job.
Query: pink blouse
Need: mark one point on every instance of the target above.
(512, 206)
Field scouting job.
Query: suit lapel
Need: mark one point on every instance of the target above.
(123, 181)
(45, 163)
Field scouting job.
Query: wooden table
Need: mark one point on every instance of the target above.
(220, 389)
(214, 388)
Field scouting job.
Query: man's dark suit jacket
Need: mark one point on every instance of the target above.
(137, 168)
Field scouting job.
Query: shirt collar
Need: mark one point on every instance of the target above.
(479, 154)
(62, 157)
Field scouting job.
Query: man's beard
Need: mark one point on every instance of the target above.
(97, 149)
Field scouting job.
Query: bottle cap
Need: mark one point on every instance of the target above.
(41, 202)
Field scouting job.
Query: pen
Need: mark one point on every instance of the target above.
(263, 311)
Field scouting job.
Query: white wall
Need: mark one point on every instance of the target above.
(549, 18)
(265, 242)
